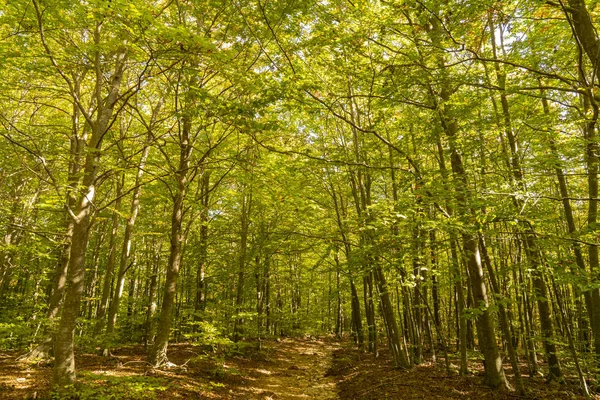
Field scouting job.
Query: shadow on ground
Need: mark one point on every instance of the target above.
(360, 376)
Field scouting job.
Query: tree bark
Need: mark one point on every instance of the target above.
(394, 337)
(63, 374)
(124, 263)
(110, 264)
(200, 299)
(238, 328)
(158, 355)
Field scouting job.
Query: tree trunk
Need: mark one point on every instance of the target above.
(394, 338)
(460, 306)
(417, 316)
(588, 42)
(64, 365)
(370, 313)
(59, 285)
(151, 305)
(503, 315)
(110, 265)
(531, 248)
(356, 317)
(158, 354)
(124, 263)
(200, 299)
(238, 328)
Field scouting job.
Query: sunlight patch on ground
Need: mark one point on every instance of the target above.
(114, 372)
(263, 371)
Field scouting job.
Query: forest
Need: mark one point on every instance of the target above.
(286, 199)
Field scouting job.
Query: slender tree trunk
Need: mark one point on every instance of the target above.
(124, 263)
(356, 317)
(460, 306)
(417, 316)
(93, 283)
(200, 299)
(158, 354)
(238, 329)
(268, 317)
(151, 305)
(110, 265)
(394, 338)
(338, 318)
(503, 316)
(494, 373)
(581, 272)
(434, 282)
(11, 238)
(531, 248)
(370, 313)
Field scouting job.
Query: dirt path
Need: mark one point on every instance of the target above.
(297, 371)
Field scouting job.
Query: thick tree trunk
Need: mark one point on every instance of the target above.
(63, 374)
(486, 333)
(59, 281)
(584, 31)
(64, 364)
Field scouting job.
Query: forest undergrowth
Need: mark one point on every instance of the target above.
(289, 368)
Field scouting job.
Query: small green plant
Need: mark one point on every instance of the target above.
(106, 387)
(208, 335)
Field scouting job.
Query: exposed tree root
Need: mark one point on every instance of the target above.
(42, 351)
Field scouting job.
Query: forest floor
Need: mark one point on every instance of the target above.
(288, 369)
(361, 376)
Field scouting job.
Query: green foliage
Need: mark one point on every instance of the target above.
(14, 335)
(326, 141)
(207, 334)
(100, 386)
